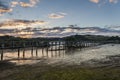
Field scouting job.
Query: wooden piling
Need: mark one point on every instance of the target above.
(59, 53)
(18, 52)
(47, 49)
(59, 45)
(36, 52)
(52, 46)
(36, 49)
(24, 53)
(2, 52)
(32, 51)
(47, 52)
(23, 50)
(43, 51)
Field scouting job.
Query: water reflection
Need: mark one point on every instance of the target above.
(29, 56)
(32, 53)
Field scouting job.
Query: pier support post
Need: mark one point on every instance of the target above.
(52, 46)
(2, 52)
(47, 49)
(23, 53)
(32, 52)
(36, 52)
(37, 49)
(42, 51)
(23, 50)
(18, 52)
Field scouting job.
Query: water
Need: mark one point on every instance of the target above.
(62, 56)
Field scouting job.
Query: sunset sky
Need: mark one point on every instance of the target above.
(52, 13)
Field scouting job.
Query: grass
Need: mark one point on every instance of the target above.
(81, 74)
(45, 72)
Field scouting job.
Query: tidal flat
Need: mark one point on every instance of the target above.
(83, 65)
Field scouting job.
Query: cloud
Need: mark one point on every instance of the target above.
(21, 23)
(113, 1)
(4, 8)
(23, 4)
(57, 15)
(2, 4)
(103, 1)
(34, 2)
(113, 27)
(95, 1)
(14, 3)
(33, 32)
(31, 3)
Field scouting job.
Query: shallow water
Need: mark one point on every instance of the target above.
(62, 56)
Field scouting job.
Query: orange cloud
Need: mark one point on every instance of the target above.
(21, 23)
(95, 1)
(23, 4)
(5, 10)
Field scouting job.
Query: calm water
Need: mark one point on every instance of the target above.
(62, 56)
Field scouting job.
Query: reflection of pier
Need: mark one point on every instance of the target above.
(47, 49)
(28, 54)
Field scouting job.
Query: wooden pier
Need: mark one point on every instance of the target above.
(45, 46)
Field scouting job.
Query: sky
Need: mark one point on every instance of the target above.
(53, 13)
(24, 18)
